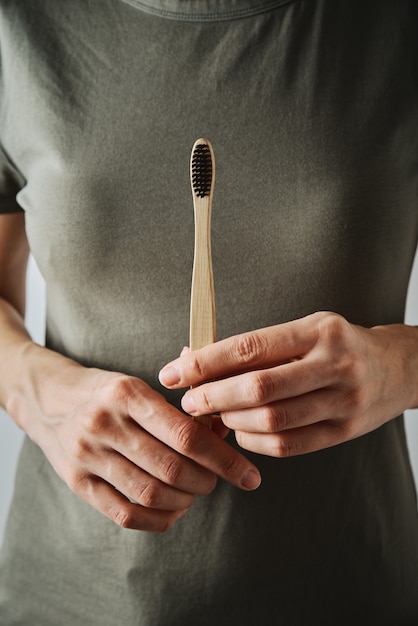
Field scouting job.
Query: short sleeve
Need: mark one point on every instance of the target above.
(11, 182)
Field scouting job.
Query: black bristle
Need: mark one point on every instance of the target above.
(201, 170)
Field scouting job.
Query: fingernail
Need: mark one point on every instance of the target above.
(169, 376)
(251, 480)
(185, 350)
(188, 404)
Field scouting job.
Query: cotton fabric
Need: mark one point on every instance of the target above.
(311, 107)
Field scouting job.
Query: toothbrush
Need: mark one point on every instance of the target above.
(202, 305)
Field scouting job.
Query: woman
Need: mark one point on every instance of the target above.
(312, 110)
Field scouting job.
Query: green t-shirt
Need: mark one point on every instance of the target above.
(312, 108)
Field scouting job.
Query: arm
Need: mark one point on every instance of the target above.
(302, 386)
(109, 436)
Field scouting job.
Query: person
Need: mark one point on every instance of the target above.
(126, 510)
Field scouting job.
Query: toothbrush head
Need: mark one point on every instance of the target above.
(202, 168)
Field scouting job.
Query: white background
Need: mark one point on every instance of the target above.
(11, 437)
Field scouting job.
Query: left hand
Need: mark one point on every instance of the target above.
(304, 385)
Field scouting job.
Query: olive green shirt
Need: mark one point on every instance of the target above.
(312, 109)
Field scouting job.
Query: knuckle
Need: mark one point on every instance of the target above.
(356, 401)
(95, 422)
(149, 495)
(274, 419)
(173, 470)
(127, 518)
(276, 446)
(328, 319)
(345, 429)
(347, 364)
(260, 387)
(203, 399)
(349, 369)
(343, 367)
(136, 447)
(230, 467)
(349, 430)
(197, 366)
(249, 348)
(78, 481)
(331, 326)
(241, 438)
(80, 449)
(188, 436)
(120, 390)
(282, 447)
(122, 516)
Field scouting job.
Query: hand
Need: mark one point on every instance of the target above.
(301, 386)
(121, 447)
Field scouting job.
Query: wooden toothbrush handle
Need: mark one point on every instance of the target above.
(202, 309)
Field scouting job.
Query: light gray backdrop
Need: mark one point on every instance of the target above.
(11, 437)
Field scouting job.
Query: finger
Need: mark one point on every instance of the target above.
(195, 442)
(258, 388)
(296, 412)
(120, 510)
(162, 462)
(140, 487)
(261, 348)
(298, 441)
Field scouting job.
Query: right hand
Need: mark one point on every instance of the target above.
(121, 447)
(115, 442)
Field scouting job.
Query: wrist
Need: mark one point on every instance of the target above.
(399, 349)
(44, 387)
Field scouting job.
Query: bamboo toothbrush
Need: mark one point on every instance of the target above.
(202, 305)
